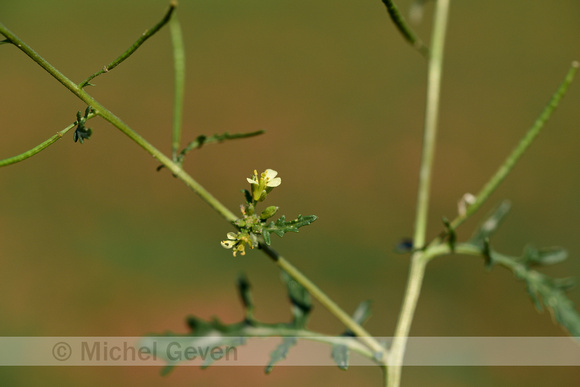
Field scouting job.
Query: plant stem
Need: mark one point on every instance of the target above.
(116, 121)
(146, 35)
(520, 149)
(40, 147)
(179, 84)
(418, 261)
(319, 295)
(404, 28)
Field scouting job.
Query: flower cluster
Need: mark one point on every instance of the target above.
(250, 224)
(237, 241)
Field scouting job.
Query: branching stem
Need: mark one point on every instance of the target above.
(418, 261)
(176, 169)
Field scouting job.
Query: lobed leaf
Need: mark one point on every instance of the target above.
(544, 291)
(281, 226)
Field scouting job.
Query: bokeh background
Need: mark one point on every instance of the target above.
(95, 242)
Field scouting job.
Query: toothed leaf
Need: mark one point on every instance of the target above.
(281, 226)
(280, 352)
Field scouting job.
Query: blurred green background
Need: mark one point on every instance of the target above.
(95, 242)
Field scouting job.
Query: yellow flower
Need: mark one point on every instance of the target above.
(262, 186)
(238, 242)
(231, 241)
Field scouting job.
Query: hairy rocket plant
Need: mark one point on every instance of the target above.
(259, 219)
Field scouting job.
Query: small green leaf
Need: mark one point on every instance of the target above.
(362, 312)
(247, 196)
(281, 226)
(300, 300)
(168, 368)
(545, 256)
(340, 353)
(491, 224)
(451, 235)
(544, 291)
(266, 235)
(246, 295)
(533, 293)
(280, 352)
(268, 212)
(564, 284)
(82, 134)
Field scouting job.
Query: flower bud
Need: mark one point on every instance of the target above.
(268, 212)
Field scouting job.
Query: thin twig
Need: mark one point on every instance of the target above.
(40, 147)
(404, 28)
(381, 353)
(179, 83)
(520, 149)
(146, 35)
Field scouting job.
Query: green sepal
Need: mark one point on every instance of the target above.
(247, 196)
(268, 212)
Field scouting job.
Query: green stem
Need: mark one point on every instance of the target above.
(348, 321)
(431, 115)
(101, 111)
(216, 138)
(349, 342)
(40, 147)
(146, 35)
(179, 84)
(418, 261)
(404, 28)
(519, 150)
(39, 60)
